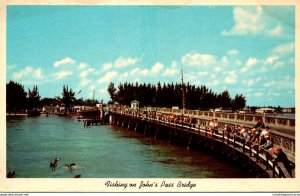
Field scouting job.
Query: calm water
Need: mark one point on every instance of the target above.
(101, 152)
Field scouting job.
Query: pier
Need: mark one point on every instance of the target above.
(191, 130)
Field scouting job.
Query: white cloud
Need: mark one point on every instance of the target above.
(91, 69)
(32, 73)
(231, 77)
(286, 83)
(224, 61)
(238, 62)
(108, 76)
(250, 62)
(107, 66)
(92, 87)
(135, 71)
(83, 74)
(85, 82)
(190, 77)
(258, 79)
(157, 67)
(271, 59)
(198, 59)
(203, 73)
(277, 31)
(38, 74)
(172, 70)
(64, 61)
(249, 82)
(284, 49)
(124, 75)
(103, 90)
(213, 83)
(218, 69)
(233, 52)
(272, 94)
(144, 72)
(250, 20)
(22, 73)
(248, 65)
(62, 74)
(82, 65)
(247, 21)
(124, 62)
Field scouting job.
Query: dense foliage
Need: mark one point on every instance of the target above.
(168, 95)
(159, 95)
(33, 98)
(15, 97)
(68, 97)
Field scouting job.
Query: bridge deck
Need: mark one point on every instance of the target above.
(263, 159)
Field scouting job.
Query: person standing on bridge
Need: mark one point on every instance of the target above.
(281, 157)
(259, 125)
(267, 145)
(265, 132)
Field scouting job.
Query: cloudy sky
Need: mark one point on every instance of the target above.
(244, 49)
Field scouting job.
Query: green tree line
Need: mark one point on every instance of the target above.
(168, 95)
(18, 100)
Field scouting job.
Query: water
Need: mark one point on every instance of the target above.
(288, 116)
(102, 152)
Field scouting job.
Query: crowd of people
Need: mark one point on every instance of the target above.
(258, 136)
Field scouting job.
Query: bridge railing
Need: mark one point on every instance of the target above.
(234, 140)
(249, 118)
(285, 141)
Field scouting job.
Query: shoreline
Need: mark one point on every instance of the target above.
(17, 114)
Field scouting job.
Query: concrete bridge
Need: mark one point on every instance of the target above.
(282, 129)
(192, 131)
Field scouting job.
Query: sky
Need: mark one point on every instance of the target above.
(247, 50)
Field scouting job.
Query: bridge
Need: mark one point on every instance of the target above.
(190, 128)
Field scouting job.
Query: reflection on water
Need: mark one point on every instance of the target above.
(102, 152)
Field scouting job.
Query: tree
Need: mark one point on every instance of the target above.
(224, 100)
(112, 91)
(168, 95)
(68, 97)
(238, 102)
(33, 98)
(15, 97)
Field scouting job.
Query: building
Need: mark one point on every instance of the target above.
(245, 110)
(265, 110)
(288, 110)
(223, 110)
(135, 104)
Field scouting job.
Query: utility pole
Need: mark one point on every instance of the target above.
(183, 92)
(93, 94)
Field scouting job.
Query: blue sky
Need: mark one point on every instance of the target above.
(244, 49)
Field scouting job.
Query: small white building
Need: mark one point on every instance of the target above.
(265, 110)
(99, 106)
(245, 110)
(135, 104)
(288, 110)
(222, 110)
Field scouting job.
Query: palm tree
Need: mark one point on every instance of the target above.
(68, 97)
(33, 98)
